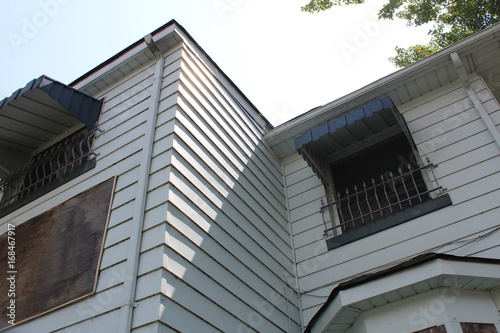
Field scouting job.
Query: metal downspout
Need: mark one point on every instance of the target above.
(294, 258)
(132, 267)
(474, 99)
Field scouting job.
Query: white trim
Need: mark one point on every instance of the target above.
(133, 53)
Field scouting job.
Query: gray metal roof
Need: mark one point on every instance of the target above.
(349, 127)
(43, 110)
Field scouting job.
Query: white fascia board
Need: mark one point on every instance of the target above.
(101, 72)
(470, 269)
(421, 273)
(392, 282)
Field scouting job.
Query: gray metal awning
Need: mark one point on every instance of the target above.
(376, 120)
(41, 111)
(351, 126)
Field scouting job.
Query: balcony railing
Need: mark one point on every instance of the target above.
(391, 193)
(48, 167)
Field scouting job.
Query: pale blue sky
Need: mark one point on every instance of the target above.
(285, 61)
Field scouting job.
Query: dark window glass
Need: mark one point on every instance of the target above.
(376, 182)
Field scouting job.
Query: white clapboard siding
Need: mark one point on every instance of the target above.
(149, 284)
(217, 244)
(384, 256)
(216, 224)
(120, 148)
(95, 308)
(238, 108)
(249, 216)
(230, 205)
(236, 121)
(404, 244)
(447, 129)
(242, 167)
(156, 327)
(171, 314)
(100, 323)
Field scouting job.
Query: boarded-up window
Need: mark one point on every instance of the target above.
(478, 328)
(57, 254)
(433, 329)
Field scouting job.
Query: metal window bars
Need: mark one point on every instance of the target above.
(391, 193)
(55, 162)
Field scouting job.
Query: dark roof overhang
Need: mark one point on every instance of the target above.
(347, 131)
(43, 110)
(359, 123)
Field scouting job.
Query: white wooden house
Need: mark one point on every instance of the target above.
(150, 195)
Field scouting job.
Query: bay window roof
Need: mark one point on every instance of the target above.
(423, 273)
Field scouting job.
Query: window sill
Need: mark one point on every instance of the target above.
(389, 221)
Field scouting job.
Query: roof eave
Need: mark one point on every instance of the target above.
(380, 87)
(165, 36)
(127, 55)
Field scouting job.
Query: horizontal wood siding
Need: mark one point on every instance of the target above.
(227, 246)
(447, 129)
(120, 149)
(150, 279)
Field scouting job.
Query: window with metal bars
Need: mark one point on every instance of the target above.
(48, 169)
(380, 182)
(376, 182)
(372, 174)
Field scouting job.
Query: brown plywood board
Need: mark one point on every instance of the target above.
(57, 254)
(478, 328)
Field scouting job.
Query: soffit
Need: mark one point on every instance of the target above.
(125, 62)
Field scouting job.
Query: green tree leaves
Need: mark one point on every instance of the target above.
(315, 6)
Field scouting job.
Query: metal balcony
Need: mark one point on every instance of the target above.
(49, 169)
